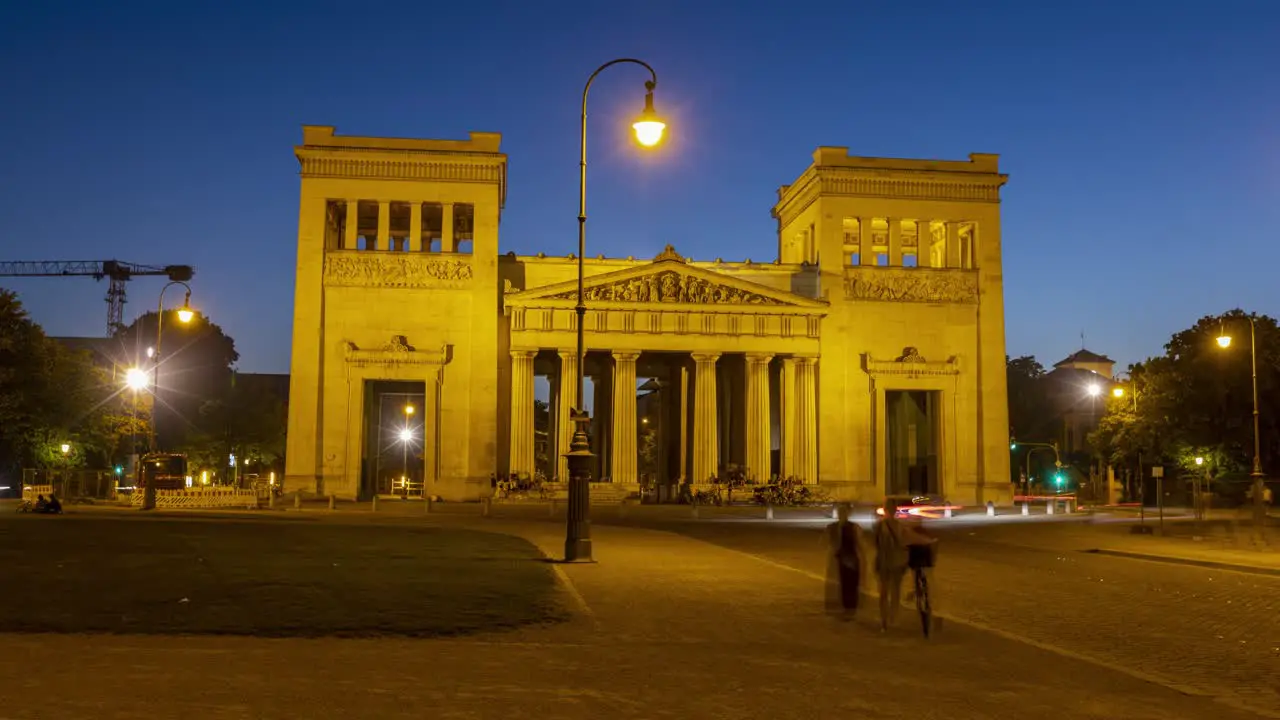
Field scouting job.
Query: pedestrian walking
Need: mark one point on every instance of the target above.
(846, 562)
(891, 562)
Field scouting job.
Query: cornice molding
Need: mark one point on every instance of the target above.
(396, 351)
(487, 170)
(910, 364)
(902, 184)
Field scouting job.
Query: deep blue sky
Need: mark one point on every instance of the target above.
(1142, 139)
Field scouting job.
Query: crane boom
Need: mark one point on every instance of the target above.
(116, 271)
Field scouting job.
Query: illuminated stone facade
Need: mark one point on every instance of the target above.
(868, 358)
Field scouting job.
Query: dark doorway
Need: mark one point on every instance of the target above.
(394, 414)
(912, 442)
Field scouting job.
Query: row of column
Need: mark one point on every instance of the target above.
(924, 243)
(352, 234)
(799, 416)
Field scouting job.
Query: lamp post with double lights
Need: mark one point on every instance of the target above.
(648, 129)
(1258, 485)
(185, 313)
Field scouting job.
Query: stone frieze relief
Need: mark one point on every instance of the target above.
(921, 285)
(394, 270)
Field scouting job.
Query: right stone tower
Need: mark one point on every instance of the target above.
(911, 378)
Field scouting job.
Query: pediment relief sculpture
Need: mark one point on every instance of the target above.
(670, 287)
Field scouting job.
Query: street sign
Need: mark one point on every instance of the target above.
(1157, 471)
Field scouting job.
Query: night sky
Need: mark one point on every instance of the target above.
(1142, 139)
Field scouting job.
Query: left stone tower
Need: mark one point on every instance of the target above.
(394, 375)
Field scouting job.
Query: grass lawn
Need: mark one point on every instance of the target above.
(130, 574)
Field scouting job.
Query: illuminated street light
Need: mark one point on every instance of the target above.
(649, 127)
(1094, 390)
(136, 379)
(185, 313)
(409, 409)
(66, 448)
(649, 130)
(1259, 488)
(1117, 392)
(406, 435)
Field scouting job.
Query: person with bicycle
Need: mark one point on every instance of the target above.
(891, 562)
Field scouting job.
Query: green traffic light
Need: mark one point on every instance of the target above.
(1013, 446)
(1058, 478)
(119, 470)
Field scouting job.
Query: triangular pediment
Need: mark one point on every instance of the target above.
(669, 279)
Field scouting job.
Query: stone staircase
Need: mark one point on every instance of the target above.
(601, 493)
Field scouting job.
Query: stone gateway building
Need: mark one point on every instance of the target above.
(868, 358)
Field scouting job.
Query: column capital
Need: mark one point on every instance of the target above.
(626, 355)
(567, 353)
(523, 352)
(806, 359)
(763, 358)
(702, 357)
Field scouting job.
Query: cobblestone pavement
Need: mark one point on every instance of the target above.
(1213, 631)
(667, 627)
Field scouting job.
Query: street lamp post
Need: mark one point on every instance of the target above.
(1259, 487)
(185, 313)
(648, 129)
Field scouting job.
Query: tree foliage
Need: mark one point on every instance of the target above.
(51, 395)
(244, 420)
(194, 367)
(1197, 399)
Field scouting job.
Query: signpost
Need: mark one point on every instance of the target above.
(1157, 472)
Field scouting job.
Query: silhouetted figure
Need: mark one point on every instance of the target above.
(53, 507)
(41, 504)
(846, 548)
(891, 562)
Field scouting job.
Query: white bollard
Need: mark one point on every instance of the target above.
(835, 513)
(1049, 507)
(1066, 507)
(484, 507)
(946, 510)
(768, 512)
(331, 502)
(1026, 508)
(695, 509)
(297, 501)
(375, 503)
(991, 509)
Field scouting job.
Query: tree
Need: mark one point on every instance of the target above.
(195, 367)
(1197, 400)
(51, 395)
(245, 421)
(1030, 412)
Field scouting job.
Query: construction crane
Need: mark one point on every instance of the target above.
(117, 272)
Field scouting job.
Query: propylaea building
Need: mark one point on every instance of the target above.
(868, 358)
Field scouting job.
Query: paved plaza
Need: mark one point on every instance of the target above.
(718, 617)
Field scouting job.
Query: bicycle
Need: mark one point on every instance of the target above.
(920, 558)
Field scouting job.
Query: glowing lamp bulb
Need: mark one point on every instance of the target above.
(406, 435)
(185, 314)
(1094, 390)
(1224, 341)
(649, 127)
(65, 448)
(1118, 392)
(136, 379)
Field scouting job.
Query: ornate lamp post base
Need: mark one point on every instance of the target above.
(577, 540)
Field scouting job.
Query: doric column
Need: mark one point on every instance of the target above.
(806, 419)
(625, 452)
(522, 442)
(415, 227)
(758, 420)
(564, 417)
(953, 244)
(706, 434)
(384, 225)
(866, 242)
(447, 243)
(787, 394)
(895, 242)
(351, 234)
